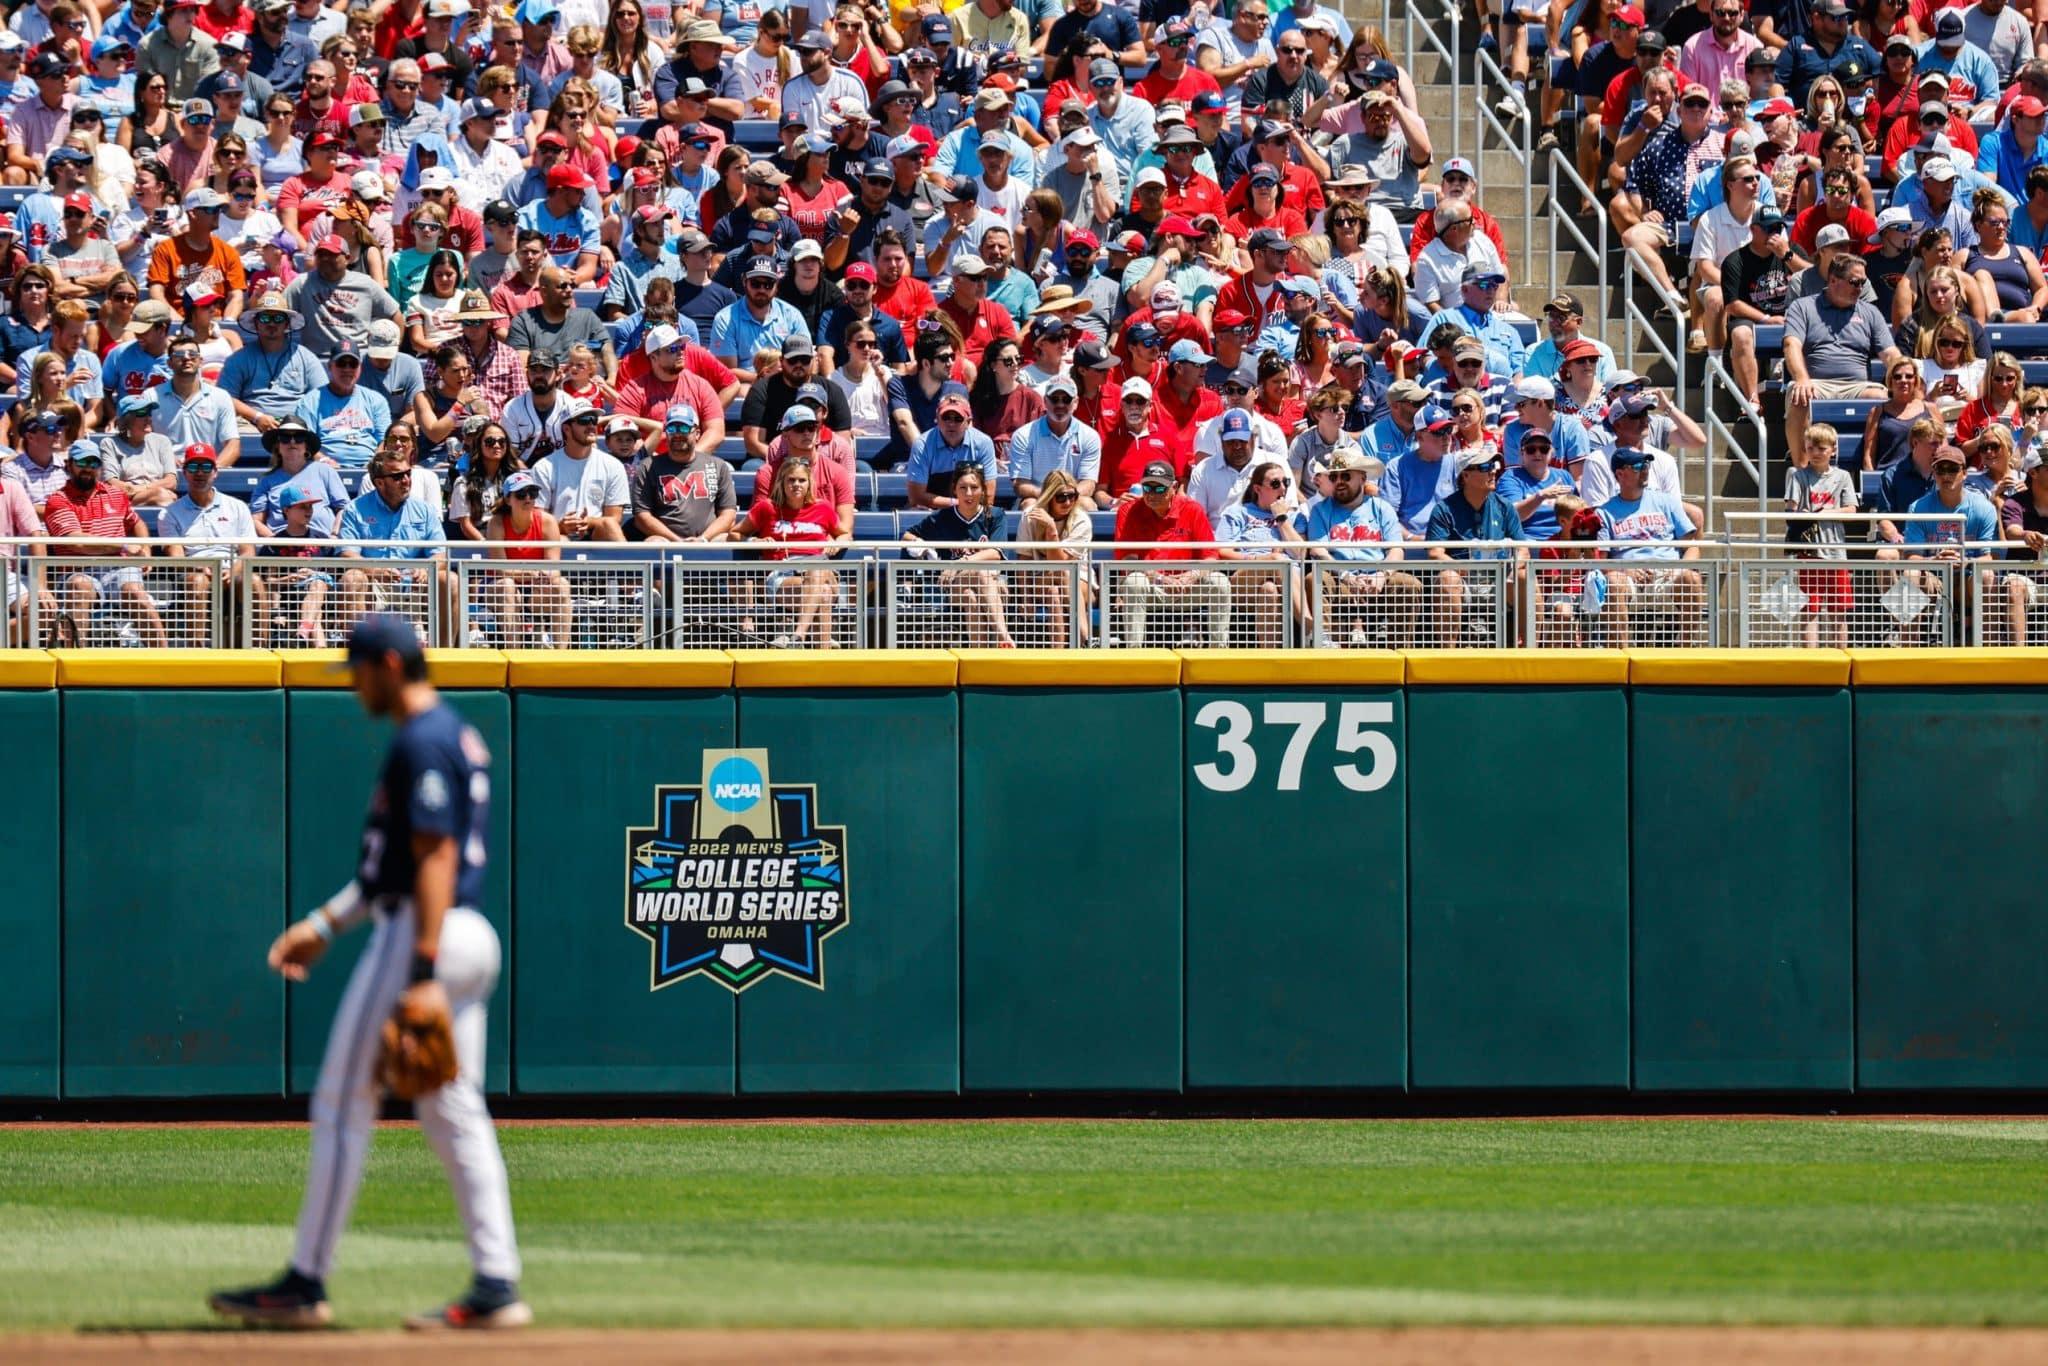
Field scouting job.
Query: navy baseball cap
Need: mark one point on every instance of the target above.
(380, 634)
(1628, 456)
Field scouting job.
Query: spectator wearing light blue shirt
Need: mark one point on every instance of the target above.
(351, 420)
(1393, 435)
(562, 216)
(190, 411)
(1975, 519)
(1056, 441)
(1475, 311)
(940, 452)
(1123, 121)
(1417, 480)
(389, 512)
(1947, 52)
(760, 321)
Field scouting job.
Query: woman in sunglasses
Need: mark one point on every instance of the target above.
(480, 488)
(2006, 274)
(1886, 432)
(1997, 404)
(1312, 367)
(1002, 402)
(1262, 523)
(546, 615)
(1057, 527)
(1943, 297)
(803, 527)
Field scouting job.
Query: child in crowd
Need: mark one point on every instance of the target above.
(1813, 484)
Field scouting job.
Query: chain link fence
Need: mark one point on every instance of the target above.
(1218, 604)
(949, 604)
(806, 602)
(1845, 604)
(1600, 603)
(115, 602)
(557, 604)
(1411, 604)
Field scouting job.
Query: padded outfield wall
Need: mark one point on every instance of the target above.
(1144, 872)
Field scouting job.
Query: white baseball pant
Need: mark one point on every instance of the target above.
(456, 1121)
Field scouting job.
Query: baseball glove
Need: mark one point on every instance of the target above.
(418, 1057)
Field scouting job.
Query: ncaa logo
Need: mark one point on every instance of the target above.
(736, 784)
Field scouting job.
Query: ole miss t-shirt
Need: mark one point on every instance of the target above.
(808, 531)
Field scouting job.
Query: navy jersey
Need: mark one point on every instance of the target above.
(437, 781)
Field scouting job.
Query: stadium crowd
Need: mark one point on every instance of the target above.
(1188, 276)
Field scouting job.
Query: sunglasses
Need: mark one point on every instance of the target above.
(198, 467)
(1948, 467)
(1066, 496)
(1059, 398)
(1948, 341)
(523, 495)
(1155, 487)
(402, 477)
(1471, 365)
(1276, 483)
(952, 417)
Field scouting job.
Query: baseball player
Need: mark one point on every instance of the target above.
(431, 956)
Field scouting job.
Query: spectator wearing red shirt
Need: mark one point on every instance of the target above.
(1274, 148)
(1162, 514)
(647, 398)
(1129, 444)
(979, 319)
(1953, 124)
(1189, 193)
(1620, 97)
(1256, 293)
(1138, 354)
(1173, 76)
(898, 293)
(1182, 404)
(96, 514)
(1838, 206)
(216, 20)
(1461, 183)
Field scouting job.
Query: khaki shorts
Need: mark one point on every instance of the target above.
(1841, 388)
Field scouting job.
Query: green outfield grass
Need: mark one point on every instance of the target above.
(1138, 1223)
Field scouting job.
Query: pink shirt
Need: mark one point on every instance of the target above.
(17, 514)
(1703, 59)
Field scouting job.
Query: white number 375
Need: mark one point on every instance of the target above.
(1237, 763)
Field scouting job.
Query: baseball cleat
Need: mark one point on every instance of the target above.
(290, 1301)
(485, 1307)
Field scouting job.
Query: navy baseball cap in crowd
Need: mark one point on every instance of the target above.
(380, 634)
(1237, 425)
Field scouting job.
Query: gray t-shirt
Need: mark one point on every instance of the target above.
(1838, 343)
(338, 312)
(399, 384)
(1400, 179)
(95, 256)
(687, 496)
(580, 326)
(1811, 490)
(122, 460)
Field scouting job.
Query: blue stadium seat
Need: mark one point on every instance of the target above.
(874, 526)
(1526, 330)
(866, 448)
(1104, 522)
(1871, 480)
(2020, 338)
(149, 516)
(1770, 340)
(732, 450)
(239, 481)
(890, 489)
(1844, 413)
(757, 135)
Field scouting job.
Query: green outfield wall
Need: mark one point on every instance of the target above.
(934, 873)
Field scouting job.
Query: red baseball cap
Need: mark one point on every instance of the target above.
(199, 450)
(1581, 349)
(331, 242)
(78, 199)
(1630, 15)
(860, 270)
(953, 403)
(552, 140)
(567, 178)
(642, 177)
(322, 141)
(623, 149)
(1084, 238)
(1780, 105)
(1230, 317)
(2026, 106)
(1179, 223)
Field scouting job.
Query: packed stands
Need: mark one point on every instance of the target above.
(1023, 324)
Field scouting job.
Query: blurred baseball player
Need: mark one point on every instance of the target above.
(431, 957)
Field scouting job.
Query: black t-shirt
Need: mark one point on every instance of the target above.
(1599, 69)
(1268, 88)
(1886, 271)
(770, 398)
(2021, 510)
(1686, 20)
(1757, 279)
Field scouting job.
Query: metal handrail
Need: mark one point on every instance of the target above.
(1717, 376)
(1633, 316)
(1486, 77)
(1559, 221)
(1446, 50)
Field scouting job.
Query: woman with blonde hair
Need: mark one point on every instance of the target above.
(1384, 316)
(1057, 528)
(1934, 250)
(45, 390)
(2031, 440)
(1943, 298)
(632, 54)
(573, 115)
(802, 526)
(1997, 402)
(1951, 371)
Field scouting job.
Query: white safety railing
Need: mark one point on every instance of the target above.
(1440, 33)
(1671, 350)
(1563, 222)
(1768, 591)
(1725, 441)
(1512, 138)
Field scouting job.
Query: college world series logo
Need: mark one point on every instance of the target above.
(736, 879)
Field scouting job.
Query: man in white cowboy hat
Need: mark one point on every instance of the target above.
(266, 379)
